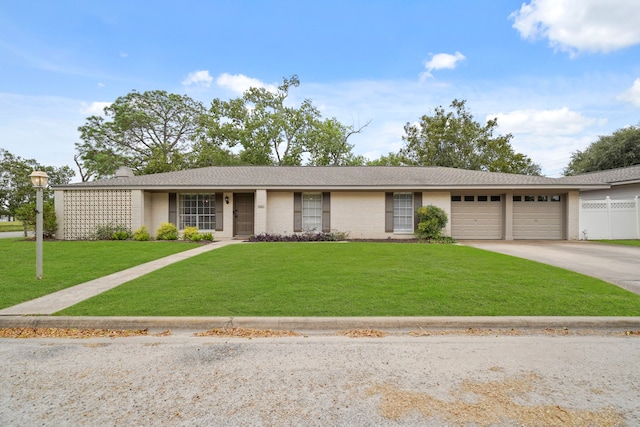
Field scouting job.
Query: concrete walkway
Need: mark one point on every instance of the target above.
(12, 234)
(60, 300)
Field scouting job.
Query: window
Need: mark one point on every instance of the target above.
(197, 210)
(456, 198)
(483, 198)
(529, 198)
(495, 198)
(312, 211)
(543, 199)
(517, 198)
(402, 212)
(555, 198)
(469, 198)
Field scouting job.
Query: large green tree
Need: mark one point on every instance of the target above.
(266, 130)
(620, 149)
(149, 132)
(15, 185)
(454, 139)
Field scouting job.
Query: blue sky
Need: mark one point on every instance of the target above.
(556, 73)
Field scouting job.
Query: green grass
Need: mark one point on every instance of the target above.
(620, 242)
(360, 279)
(10, 226)
(67, 263)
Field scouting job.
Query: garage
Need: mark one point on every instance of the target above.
(537, 217)
(476, 216)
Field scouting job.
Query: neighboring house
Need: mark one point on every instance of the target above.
(610, 213)
(624, 183)
(365, 202)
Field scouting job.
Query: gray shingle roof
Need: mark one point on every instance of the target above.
(233, 177)
(611, 176)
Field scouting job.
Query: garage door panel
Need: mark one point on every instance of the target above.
(537, 219)
(476, 220)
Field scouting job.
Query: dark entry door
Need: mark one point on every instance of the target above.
(243, 214)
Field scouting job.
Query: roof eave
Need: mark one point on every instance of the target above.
(566, 187)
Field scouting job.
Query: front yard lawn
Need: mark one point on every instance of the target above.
(360, 279)
(67, 263)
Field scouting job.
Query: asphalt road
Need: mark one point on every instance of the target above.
(322, 380)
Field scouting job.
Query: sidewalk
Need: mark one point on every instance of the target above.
(60, 300)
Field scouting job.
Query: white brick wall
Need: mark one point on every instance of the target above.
(279, 212)
(361, 214)
(573, 215)
(157, 211)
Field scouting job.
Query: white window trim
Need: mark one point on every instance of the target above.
(407, 215)
(211, 209)
(312, 222)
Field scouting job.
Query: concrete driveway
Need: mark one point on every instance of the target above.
(613, 263)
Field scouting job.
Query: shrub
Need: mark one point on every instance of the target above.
(121, 235)
(141, 234)
(111, 232)
(432, 220)
(207, 236)
(167, 231)
(309, 236)
(190, 233)
(196, 237)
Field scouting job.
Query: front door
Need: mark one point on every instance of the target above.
(243, 214)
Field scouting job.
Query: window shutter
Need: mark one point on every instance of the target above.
(326, 212)
(173, 209)
(219, 211)
(417, 202)
(388, 212)
(297, 212)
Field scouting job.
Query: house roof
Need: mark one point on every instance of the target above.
(330, 177)
(619, 176)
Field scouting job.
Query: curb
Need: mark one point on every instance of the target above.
(321, 323)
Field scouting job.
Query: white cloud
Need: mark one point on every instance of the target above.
(239, 83)
(548, 137)
(561, 121)
(441, 61)
(94, 108)
(580, 25)
(198, 78)
(632, 94)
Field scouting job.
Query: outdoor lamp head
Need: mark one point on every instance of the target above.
(39, 179)
(226, 199)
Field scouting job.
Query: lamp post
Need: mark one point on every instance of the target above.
(39, 180)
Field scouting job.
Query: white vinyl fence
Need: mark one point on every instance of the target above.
(610, 219)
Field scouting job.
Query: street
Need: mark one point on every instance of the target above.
(323, 380)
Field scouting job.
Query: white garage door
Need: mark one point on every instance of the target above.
(537, 217)
(476, 217)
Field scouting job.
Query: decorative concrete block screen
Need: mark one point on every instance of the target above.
(609, 219)
(84, 210)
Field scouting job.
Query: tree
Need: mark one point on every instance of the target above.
(391, 159)
(16, 189)
(270, 132)
(454, 139)
(328, 144)
(620, 149)
(149, 132)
